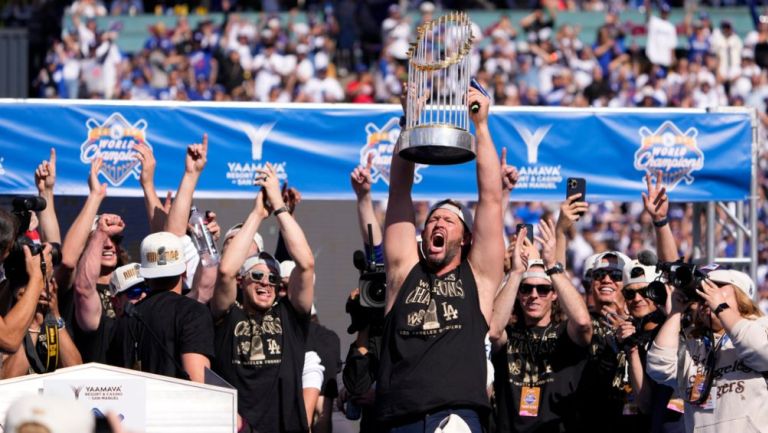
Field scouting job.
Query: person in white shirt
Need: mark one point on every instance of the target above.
(728, 46)
(662, 38)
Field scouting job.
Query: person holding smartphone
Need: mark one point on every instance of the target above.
(540, 359)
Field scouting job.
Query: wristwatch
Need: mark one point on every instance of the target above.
(720, 308)
(280, 210)
(660, 223)
(558, 268)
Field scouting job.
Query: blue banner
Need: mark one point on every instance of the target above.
(703, 156)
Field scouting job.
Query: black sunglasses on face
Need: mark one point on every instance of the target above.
(629, 294)
(615, 275)
(258, 277)
(541, 289)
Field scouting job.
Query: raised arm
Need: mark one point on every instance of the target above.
(14, 325)
(178, 216)
(77, 235)
(87, 301)
(156, 214)
(400, 248)
(487, 253)
(505, 300)
(569, 214)
(570, 300)
(45, 179)
(509, 178)
(233, 257)
(361, 184)
(204, 280)
(301, 285)
(656, 203)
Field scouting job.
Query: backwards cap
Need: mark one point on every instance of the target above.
(263, 258)
(456, 208)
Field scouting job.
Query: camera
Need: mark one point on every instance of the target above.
(686, 277)
(22, 212)
(373, 281)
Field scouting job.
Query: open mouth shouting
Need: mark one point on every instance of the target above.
(437, 244)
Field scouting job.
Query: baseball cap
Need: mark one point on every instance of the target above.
(56, 415)
(256, 236)
(649, 273)
(262, 258)
(125, 277)
(589, 264)
(455, 207)
(286, 267)
(162, 255)
(535, 274)
(427, 7)
(621, 260)
(737, 278)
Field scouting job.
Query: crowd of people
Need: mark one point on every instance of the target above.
(477, 330)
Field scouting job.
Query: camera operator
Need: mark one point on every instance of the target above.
(439, 305)
(538, 370)
(650, 405)
(260, 343)
(720, 367)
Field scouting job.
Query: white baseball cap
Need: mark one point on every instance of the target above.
(286, 267)
(262, 258)
(125, 277)
(649, 273)
(535, 273)
(621, 260)
(456, 208)
(57, 415)
(589, 264)
(162, 255)
(256, 236)
(737, 278)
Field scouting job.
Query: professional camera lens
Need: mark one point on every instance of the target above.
(31, 203)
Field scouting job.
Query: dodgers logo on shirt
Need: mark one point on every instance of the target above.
(668, 149)
(382, 142)
(113, 141)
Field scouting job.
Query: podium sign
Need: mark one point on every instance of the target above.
(125, 397)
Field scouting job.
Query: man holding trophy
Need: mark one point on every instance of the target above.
(440, 292)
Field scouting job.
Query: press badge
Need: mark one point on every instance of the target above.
(676, 404)
(697, 388)
(530, 399)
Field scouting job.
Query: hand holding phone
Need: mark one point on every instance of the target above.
(529, 233)
(576, 185)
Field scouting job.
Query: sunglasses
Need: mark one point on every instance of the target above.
(135, 292)
(615, 275)
(541, 289)
(629, 294)
(258, 277)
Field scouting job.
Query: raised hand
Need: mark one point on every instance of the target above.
(361, 177)
(213, 225)
(509, 173)
(570, 212)
(291, 197)
(656, 201)
(267, 179)
(520, 254)
(548, 242)
(197, 156)
(148, 163)
(96, 187)
(475, 96)
(45, 174)
(111, 224)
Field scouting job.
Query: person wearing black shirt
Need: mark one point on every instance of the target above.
(433, 364)
(327, 345)
(651, 404)
(539, 359)
(166, 333)
(260, 343)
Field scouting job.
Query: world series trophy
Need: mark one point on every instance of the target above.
(436, 115)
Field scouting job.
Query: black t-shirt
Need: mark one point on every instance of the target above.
(543, 357)
(94, 345)
(182, 324)
(327, 345)
(263, 357)
(433, 353)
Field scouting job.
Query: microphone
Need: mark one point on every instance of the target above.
(647, 258)
(130, 310)
(359, 260)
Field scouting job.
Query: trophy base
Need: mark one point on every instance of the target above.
(437, 145)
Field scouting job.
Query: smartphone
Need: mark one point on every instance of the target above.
(529, 234)
(576, 185)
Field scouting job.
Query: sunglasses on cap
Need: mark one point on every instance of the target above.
(136, 291)
(258, 277)
(615, 275)
(629, 294)
(541, 289)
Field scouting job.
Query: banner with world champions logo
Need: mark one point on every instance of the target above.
(702, 156)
